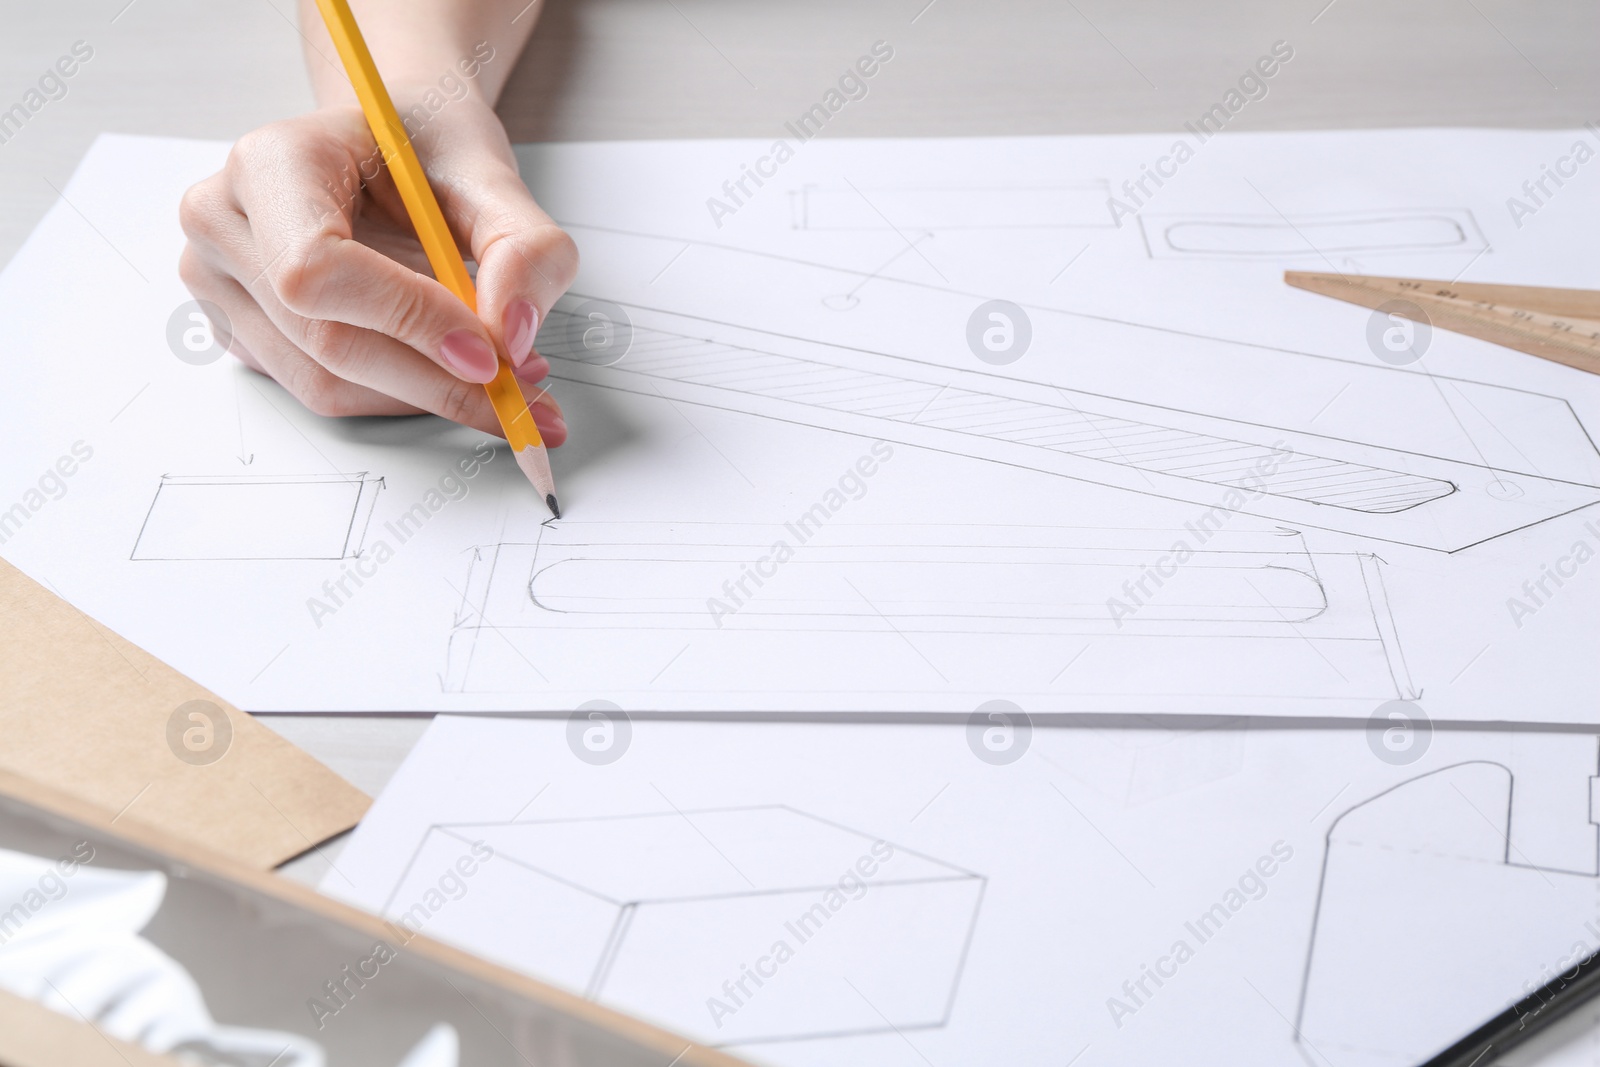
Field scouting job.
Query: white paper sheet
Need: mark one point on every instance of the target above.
(913, 894)
(812, 471)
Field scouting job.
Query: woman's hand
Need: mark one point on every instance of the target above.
(304, 244)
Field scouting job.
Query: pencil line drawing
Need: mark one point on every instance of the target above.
(1246, 237)
(258, 517)
(1073, 205)
(668, 914)
(1304, 479)
(1043, 421)
(1400, 904)
(1253, 599)
(1487, 415)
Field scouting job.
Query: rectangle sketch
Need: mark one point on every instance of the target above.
(1069, 205)
(242, 517)
(873, 936)
(1243, 236)
(1238, 607)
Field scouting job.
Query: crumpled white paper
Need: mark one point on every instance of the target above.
(69, 941)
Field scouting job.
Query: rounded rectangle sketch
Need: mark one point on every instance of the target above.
(1405, 230)
(1258, 603)
(991, 585)
(927, 580)
(1071, 204)
(239, 517)
(738, 925)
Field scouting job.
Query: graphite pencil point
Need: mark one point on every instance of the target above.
(536, 465)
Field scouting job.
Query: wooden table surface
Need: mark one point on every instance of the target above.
(621, 69)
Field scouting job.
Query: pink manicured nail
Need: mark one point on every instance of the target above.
(521, 322)
(470, 355)
(535, 368)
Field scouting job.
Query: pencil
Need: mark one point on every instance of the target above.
(522, 433)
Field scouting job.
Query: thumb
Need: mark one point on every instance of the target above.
(525, 261)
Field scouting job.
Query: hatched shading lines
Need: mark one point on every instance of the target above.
(1088, 435)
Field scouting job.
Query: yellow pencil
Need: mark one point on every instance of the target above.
(509, 406)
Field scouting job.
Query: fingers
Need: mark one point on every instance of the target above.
(386, 366)
(378, 375)
(345, 328)
(319, 273)
(525, 261)
(261, 346)
(385, 369)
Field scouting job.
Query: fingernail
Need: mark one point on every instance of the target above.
(534, 369)
(544, 399)
(554, 432)
(549, 417)
(470, 355)
(520, 324)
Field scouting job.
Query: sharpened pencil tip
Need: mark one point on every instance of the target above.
(536, 465)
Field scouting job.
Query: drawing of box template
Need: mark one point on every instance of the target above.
(669, 915)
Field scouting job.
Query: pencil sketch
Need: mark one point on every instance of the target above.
(1067, 205)
(685, 917)
(258, 517)
(1450, 872)
(1258, 603)
(1247, 237)
(1294, 476)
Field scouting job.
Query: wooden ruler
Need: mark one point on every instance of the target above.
(1562, 325)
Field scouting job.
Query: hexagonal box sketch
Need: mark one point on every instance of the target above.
(733, 925)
